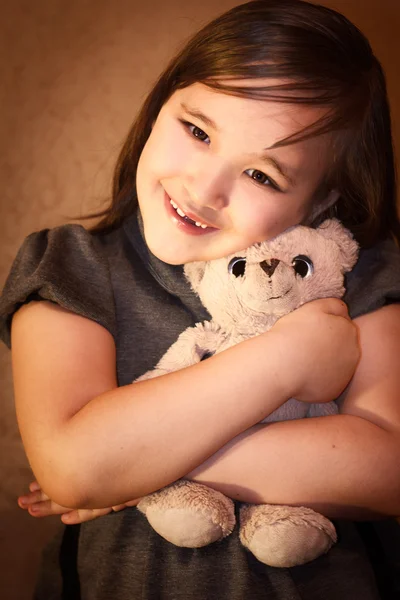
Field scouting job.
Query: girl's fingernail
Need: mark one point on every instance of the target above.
(22, 501)
(34, 486)
(34, 509)
(67, 518)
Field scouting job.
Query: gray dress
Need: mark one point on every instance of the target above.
(114, 280)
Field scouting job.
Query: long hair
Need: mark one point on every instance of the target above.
(323, 60)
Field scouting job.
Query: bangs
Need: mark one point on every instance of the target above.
(345, 109)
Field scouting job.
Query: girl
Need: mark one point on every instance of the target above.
(274, 114)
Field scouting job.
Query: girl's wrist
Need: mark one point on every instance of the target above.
(283, 374)
(265, 358)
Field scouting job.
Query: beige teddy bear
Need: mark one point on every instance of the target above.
(245, 295)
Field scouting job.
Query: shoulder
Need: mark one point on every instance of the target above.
(375, 280)
(67, 246)
(67, 265)
(70, 241)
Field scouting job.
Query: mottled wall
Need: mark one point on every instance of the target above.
(73, 74)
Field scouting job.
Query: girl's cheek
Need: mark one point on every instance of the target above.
(260, 221)
(251, 213)
(167, 149)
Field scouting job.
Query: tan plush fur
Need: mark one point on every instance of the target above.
(245, 295)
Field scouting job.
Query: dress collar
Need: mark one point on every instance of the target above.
(170, 277)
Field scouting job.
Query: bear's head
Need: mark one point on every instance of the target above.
(248, 291)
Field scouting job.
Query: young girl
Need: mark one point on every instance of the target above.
(274, 114)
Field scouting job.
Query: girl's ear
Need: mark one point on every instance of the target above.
(320, 207)
(194, 272)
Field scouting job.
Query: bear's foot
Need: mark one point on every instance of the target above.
(188, 514)
(285, 536)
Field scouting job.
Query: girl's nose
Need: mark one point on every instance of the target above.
(206, 196)
(209, 183)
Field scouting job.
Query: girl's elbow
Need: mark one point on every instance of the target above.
(65, 493)
(62, 482)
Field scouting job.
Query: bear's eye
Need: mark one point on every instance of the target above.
(303, 266)
(237, 266)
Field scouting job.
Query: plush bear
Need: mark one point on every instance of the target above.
(245, 295)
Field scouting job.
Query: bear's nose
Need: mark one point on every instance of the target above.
(269, 267)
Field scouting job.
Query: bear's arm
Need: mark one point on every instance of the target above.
(191, 347)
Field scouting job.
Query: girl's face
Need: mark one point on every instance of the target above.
(207, 159)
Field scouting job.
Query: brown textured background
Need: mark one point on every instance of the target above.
(73, 75)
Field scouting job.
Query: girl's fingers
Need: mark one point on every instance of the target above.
(82, 515)
(34, 486)
(32, 498)
(69, 516)
(118, 507)
(73, 517)
(46, 508)
(39, 504)
(125, 504)
(133, 502)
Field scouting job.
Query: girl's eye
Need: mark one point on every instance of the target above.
(303, 266)
(237, 266)
(262, 178)
(196, 131)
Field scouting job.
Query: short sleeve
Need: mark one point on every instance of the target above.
(65, 265)
(375, 280)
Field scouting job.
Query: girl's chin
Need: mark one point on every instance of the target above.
(187, 250)
(165, 253)
(175, 256)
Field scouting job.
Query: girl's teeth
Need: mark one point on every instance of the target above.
(182, 214)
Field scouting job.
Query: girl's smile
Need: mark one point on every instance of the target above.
(188, 220)
(208, 183)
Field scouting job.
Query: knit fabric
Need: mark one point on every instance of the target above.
(114, 280)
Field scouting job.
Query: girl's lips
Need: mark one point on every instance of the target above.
(186, 226)
(198, 220)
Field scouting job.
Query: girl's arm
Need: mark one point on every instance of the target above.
(346, 465)
(91, 444)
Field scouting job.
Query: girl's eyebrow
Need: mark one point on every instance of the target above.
(194, 112)
(283, 170)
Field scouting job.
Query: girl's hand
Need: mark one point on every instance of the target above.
(40, 505)
(320, 350)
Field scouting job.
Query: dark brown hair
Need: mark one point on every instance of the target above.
(327, 62)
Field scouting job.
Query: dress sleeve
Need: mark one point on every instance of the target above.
(375, 280)
(65, 265)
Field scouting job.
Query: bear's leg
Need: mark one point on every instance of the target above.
(285, 536)
(189, 514)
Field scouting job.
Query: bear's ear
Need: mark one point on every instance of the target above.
(333, 230)
(194, 272)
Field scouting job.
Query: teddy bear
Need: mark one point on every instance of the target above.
(245, 294)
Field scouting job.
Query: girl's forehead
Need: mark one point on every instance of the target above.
(200, 97)
(253, 125)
